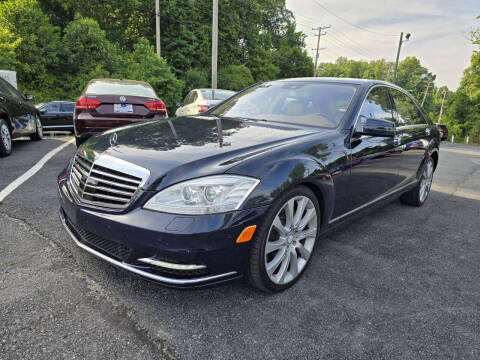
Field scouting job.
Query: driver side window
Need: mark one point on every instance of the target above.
(377, 105)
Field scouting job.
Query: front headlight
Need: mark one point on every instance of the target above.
(207, 195)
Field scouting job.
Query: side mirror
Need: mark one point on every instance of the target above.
(29, 97)
(377, 127)
(178, 103)
(43, 112)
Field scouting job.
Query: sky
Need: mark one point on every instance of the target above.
(370, 30)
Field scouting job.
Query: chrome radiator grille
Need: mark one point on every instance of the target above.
(107, 182)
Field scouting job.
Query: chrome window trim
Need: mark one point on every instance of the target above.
(137, 271)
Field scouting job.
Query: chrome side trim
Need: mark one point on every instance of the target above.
(141, 272)
(373, 201)
(56, 126)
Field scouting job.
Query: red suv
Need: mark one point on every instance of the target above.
(109, 103)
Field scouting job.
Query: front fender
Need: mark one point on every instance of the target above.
(278, 176)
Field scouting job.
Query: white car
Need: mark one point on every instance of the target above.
(199, 100)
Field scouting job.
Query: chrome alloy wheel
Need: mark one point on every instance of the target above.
(426, 181)
(39, 127)
(290, 240)
(6, 138)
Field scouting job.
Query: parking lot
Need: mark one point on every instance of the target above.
(399, 282)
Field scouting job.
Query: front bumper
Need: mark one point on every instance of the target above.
(123, 238)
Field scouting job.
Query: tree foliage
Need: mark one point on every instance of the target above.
(57, 46)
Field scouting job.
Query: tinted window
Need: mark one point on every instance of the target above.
(407, 111)
(52, 107)
(299, 102)
(377, 105)
(194, 97)
(217, 94)
(188, 98)
(13, 92)
(67, 107)
(119, 87)
(3, 88)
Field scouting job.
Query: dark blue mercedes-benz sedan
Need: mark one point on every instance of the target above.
(248, 188)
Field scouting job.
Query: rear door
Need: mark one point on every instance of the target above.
(50, 115)
(66, 114)
(412, 134)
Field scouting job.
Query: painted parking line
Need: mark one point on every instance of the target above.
(32, 171)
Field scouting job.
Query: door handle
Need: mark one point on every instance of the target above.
(2, 99)
(396, 140)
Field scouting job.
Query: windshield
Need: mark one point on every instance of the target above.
(212, 94)
(298, 102)
(101, 87)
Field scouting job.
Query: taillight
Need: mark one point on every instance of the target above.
(202, 108)
(87, 104)
(156, 106)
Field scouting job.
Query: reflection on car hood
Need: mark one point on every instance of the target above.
(196, 146)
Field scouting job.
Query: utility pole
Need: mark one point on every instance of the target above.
(214, 43)
(426, 92)
(157, 24)
(441, 107)
(398, 53)
(320, 29)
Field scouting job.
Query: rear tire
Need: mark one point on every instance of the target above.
(38, 135)
(278, 258)
(419, 194)
(5, 139)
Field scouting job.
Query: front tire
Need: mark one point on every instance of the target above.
(419, 194)
(38, 135)
(282, 248)
(5, 139)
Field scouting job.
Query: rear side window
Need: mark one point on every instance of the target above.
(119, 87)
(407, 112)
(377, 105)
(52, 107)
(67, 107)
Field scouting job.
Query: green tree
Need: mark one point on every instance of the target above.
(234, 77)
(143, 64)
(36, 42)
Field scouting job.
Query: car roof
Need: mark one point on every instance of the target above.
(205, 89)
(364, 82)
(118, 80)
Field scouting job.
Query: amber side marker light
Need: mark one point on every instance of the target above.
(246, 234)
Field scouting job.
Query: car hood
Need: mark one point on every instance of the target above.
(189, 147)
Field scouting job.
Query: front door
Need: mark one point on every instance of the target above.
(374, 159)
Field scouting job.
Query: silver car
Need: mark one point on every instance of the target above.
(200, 100)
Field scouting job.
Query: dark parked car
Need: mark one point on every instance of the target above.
(109, 103)
(18, 117)
(249, 188)
(443, 131)
(57, 115)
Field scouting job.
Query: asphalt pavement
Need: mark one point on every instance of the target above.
(398, 282)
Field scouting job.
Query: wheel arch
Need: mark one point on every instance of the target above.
(4, 116)
(280, 176)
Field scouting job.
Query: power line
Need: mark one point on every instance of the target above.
(348, 22)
